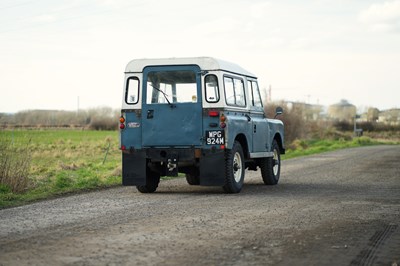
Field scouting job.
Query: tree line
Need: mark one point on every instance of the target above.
(99, 118)
(299, 122)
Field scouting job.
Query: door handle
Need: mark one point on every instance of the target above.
(150, 114)
(248, 117)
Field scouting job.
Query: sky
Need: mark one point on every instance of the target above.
(70, 54)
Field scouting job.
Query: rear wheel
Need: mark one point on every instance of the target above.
(152, 181)
(234, 169)
(271, 166)
(193, 179)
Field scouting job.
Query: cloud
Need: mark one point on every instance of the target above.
(383, 17)
(259, 10)
(44, 18)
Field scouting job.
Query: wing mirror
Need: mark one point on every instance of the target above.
(278, 111)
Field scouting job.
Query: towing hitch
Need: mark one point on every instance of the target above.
(172, 165)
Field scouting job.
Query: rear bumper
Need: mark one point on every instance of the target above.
(208, 163)
(183, 155)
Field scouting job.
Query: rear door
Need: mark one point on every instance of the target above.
(172, 107)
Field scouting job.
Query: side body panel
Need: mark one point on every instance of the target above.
(131, 136)
(261, 135)
(238, 123)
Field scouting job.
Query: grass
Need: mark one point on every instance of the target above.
(70, 161)
(308, 147)
(63, 161)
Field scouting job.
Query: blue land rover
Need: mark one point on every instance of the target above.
(200, 116)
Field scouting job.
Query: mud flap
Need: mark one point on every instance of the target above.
(134, 169)
(212, 169)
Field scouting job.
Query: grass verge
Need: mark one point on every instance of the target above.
(308, 147)
(61, 162)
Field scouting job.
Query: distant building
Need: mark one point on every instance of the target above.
(310, 112)
(390, 117)
(342, 111)
(371, 115)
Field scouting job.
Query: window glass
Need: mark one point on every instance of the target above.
(239, 92)
(250, 88)
(171, 86)
(132, 91)
(229, 91)
(257, 102)
(234, 91)
(212, 90)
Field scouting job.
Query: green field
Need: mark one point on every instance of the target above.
(61, 161)
(38, 164)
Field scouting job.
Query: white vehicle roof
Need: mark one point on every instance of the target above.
(205, 63)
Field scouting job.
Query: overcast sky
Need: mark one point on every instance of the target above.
(316, 51)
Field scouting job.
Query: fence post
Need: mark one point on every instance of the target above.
(108, 148)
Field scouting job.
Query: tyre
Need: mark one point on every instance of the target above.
(234, 169)
(271, 166)
(152, 181)
(192, 179)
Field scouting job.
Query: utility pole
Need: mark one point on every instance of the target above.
(357, 132)
(269, 99)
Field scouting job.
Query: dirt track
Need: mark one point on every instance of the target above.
(338, 208)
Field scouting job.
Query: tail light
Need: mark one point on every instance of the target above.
(212, 113)
(122, 122)
(122, 126)
(222, 119)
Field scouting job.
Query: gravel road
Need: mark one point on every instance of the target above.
(336, 208)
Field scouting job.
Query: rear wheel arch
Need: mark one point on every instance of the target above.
(241, 138)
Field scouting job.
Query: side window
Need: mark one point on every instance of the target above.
(239, 92)
(234, 91)
(255, 94)
(132, 91)
(212, 90)
(229, 91)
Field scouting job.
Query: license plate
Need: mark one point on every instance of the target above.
(215, 137)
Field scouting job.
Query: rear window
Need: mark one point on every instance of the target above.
(171, 86)
(211, 87)
(132, 90)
